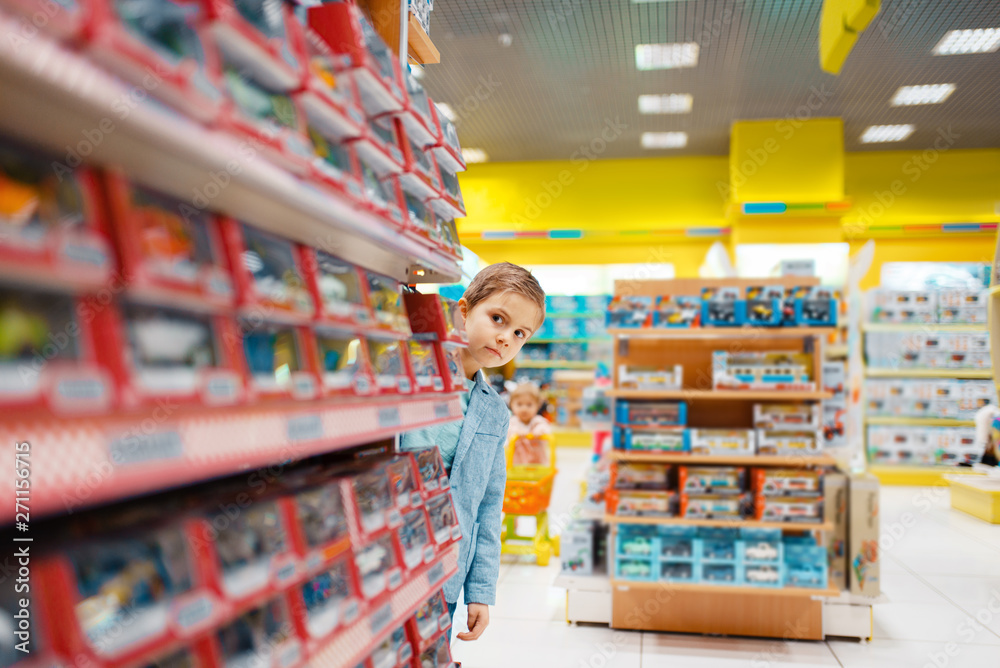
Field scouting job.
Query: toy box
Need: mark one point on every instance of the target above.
(666, 440)
(253, 551)
(343, 362)
(720, 574)
(378, 566)
(450, 243)
(387, 302)
(371, 495)
(780, 482)
(449, 202)
(677, 311)
(329, 99)
(640, 476)
(426, 368)
(417, 118)
(268, 272)
(444, 522)
(646, 378)
(438, 655)
(170, 40)
(381, 197)
(446, 148)
(265, 117)
(637, 541)
(650, 414)
(764, 575)
(321, 529)
(576, 545)
(904, 306)
(373, 65)
(863, 537)
(629, 312)
(806, 566)
(721, 441)
(171, 252)
(341, 292)
(336, 167)
(762, 546)
(415, 541)
(430, 618)
(332, 598)
(789, 508)
(711, 480)
(562, 327)
(435, 315)
(764, 304)
(420, 177)
(762, 371)
(431, 468)
(379, 147)
(421, 223)
(261, 38)
(788, 443)
(51, 221)
(158, 352)
(261, 637)
(277, 360)
(722, 307)
(678, 543)
(835, 511)
(787, 417)
(719, 545)
(817, 308)
(642, 503)
(404, 479)
(390, 365)
(712, 506)
(48, 353)
(450, 362)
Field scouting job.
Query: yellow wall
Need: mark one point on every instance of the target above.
(672, 193)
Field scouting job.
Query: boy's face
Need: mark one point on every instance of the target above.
(498, 326)
(524, 408)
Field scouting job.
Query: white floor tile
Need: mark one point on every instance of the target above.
(901, 586)
(930, 622)
(692, 651)
(529, 602)
(968, 591)
(913, 654)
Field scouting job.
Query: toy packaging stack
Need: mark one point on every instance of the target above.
(649, 378)
(948, 306)
(888, 444)
(723, 307)
(788, 429)
(928, 397)
(629, 312)
(762, 371)
(834, 409)
(787, 495)
(677, 311)
(721, 441)
(928, 349)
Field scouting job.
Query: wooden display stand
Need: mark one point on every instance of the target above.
(790, 613)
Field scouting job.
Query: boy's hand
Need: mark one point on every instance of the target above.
(479, 619)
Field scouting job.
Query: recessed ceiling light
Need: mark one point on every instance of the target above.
(446, 110)
(929, 94)
(474, 155)
(675, 103)
(955, 42)
(882, 133)
(664, 139)
(666, 56)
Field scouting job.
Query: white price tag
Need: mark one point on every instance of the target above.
(394, 518)
(456, 532)
(428, 554)
(435, 574)
(381, 618)
(395, 579)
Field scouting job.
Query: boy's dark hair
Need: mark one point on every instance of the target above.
(501, 278)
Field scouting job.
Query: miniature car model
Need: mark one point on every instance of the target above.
(761, 552)
(762, 575)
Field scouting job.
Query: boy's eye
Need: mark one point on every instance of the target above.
(519, 334)
(497, 319)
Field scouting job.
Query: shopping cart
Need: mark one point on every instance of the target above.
(529, 488)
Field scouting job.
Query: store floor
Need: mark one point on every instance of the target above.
(940, 574)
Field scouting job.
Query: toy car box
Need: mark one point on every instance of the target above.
(171, 252)
(642, 503)
(629, 312)
(762, 371)
(764, 304)
(787, 417)
(789, 508)
(722, 307)
(427, 376)
(779, 482)
(806, 566)
(817, 308)
(762, 546)
(387, 303)
(788, 443)
(52, 225)
(277, 362)
(390, 365)
(721, 441)
(677, 311)
(343, 362)
(711, 479)
(632, 476)
(647, 378)
(171, 39)
(764, 575)
(49, 353)
(712, 506)
(666, 440)
(651, 414)
(331, 599)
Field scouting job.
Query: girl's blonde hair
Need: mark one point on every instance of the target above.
(527, 389)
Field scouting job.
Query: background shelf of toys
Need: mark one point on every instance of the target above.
(177, 317)
(928, 371)
(719, 490)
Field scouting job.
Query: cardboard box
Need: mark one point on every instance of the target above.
(863, 535)
(835, 509)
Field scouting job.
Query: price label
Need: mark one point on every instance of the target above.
(304, 428)
(194, 613)
(351, 611)
(444, 621)
(381, 619)
(435, 574)
(388, 417)
(404, 385)
(428, 554)
(394, 518)
(456, 532)
(442, 410)
(438, 386)
(137, 448)
(395, 579)
(285, 572)
(416, 500)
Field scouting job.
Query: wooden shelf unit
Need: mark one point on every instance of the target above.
(739, 589)
(385, 15)
(721, 395)
(720, 332)
(722, 460)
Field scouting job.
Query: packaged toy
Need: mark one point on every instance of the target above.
(647, 378)
(636, 540)
(762, 545)
(678, 571)
(762, 371)
(677, 311)
(415, 540)
(268, 272)
(720, 545)
(446, 148)
(387, 302)
(722, 307)
(321, 518)
(721, 441)
(343, 362)
(431, 617)
(576, 545)
(787, 417)
(640, 476)
(764, 304)
(642, 503)
(252, 549)
(780, 482)
(433, 317)
(259, 637)
(764, 575)
(711, 480)
(806, 566)
(449, 204)
(669, 439)
(378, 566)
(789, 509)
(437, 655)
(341, 294)
(328, 98)
(788, 443)
(335, 166)
(721, 574)
(629, 312)
(373, 497)
(403, 479)
(331, 599)
(633, 569)
(261, 37)
(450, 243)
(444, 523)
(394, 651)
(818, 307)
(712, 506)
(390, 365)
(417, 119)
(431, 469)
(275, 361)
(424, 361)
(651, 414)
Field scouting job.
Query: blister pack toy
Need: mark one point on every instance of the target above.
(431, 617)
(444, 522)
(420, 222)
(435, 317)
(386, 300)
(378, 566)
(424, 361)
(268, 272)
(774, 370)
(322, 519)
(763, 305)
(331, 599)
(261, 636)
(373, 498)
(262, 37)
(415, 539)
(276, 362)
(677, 311)
(404, 480)
(650, 378)
(341, 290)
(629, 312)
(394, 652)
(431, 469)
(253, 549)
(722, 307)
(390, 365)
(50, 220)
(343, 362)
(335, 166)
(450, 243)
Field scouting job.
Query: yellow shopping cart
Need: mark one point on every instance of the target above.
(531, 471)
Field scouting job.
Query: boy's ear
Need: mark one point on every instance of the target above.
(463, 307)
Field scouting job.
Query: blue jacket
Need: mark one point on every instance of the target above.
(478, 478)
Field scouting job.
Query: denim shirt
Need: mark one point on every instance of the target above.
(478, 478)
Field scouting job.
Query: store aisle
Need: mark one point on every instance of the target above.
(940, 573)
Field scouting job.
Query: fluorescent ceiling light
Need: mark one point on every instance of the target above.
(882, 133)
(446, 111)
(968, 41)
(666, 56)
(474, 155)
(664, 139)
(675, 103)
(929, 94)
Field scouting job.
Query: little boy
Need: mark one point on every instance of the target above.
(502, 308)
(525, 400)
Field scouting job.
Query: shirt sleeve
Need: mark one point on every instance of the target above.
(481, 581)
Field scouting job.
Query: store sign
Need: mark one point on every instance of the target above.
(798, 267)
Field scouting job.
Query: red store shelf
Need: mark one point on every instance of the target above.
(84, 461)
